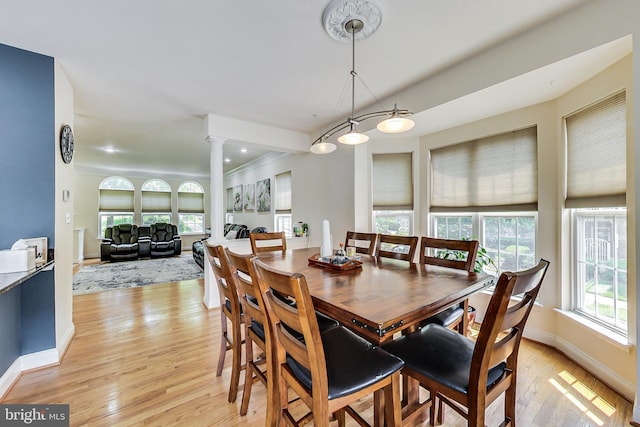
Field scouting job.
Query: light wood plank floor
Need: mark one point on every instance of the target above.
(147, 356)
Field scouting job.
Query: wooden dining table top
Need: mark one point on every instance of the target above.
(382, 297)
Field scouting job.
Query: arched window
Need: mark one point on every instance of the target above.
(116, 203)
(156, 202)
(190, 208)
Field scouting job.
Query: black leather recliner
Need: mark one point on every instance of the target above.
(165, 240)
(123, 242)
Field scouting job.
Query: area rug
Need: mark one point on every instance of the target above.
(131, 274)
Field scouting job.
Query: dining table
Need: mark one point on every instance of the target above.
(381, 297)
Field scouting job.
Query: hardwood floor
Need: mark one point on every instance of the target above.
(147, 356)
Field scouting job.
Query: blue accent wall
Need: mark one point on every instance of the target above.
(27, 192)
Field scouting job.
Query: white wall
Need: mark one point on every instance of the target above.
(612, 362)
(86, 200)
(63, 230)
(322, 188)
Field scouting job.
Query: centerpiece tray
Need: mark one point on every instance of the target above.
(325, 262)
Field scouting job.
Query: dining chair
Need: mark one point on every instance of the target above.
(358, 240)
(268, 242)
(230, 310)
(240, 270)
(328, 371)
(237, 268)
(396, 247)
(458, 254)
(468, 375)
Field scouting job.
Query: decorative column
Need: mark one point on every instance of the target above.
(211, 297)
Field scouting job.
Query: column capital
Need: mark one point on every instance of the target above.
(215, 139)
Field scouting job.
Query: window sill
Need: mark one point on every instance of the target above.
(618, 340)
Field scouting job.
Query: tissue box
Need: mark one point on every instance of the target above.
(13, 261)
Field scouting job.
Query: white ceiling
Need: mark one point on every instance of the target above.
(146, 72)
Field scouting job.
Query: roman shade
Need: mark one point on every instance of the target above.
(596, 155)
(156, 201)
(392, 181)
(116, 200)
(283, 193)
(496, 173)
(189, 202)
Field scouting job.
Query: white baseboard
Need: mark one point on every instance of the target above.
(64, 343)
(39, 359)
(10, 377)
(32, 361)
(620, 384)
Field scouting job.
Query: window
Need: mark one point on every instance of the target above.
(487, 190)
(398, 223)
(509, 239)
(190, 208)
(116, 203)
(596, 193)
(156, 202)
(601, 265)
(282, 217)
(392, 186)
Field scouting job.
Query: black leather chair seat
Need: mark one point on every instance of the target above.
(351, 362)
(441, 354)
(163, 245)
(124, 249)
(445, 318)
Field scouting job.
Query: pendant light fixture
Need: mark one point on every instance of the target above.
(351, 16)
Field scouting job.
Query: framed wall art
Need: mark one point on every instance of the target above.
(249, 197)
(263, 195)
(237, 198)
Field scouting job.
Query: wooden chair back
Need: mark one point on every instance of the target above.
(365, 243)
(226, 287)
(250, 296)
(396, 247)
(300, 318)
(300, 358)
(268, 242)
(229, 309)
(242, 273)
(499, 339)
(458, 254)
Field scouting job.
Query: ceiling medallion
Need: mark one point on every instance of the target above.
(339, 12)
(346, 20)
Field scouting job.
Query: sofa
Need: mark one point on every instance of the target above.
(128, 242)
(231, 231)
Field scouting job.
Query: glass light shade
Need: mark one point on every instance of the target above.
(353, 138)
(395, 124)
(323, 148)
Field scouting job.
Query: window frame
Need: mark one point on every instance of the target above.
(479, 232)
(577, 289)
(392, 213)
(101, 230)
(191, 187)
(279, 224)
(117, 183)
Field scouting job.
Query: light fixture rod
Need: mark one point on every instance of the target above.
(360, 15)
(353, 25)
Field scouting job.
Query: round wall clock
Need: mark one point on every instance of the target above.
(66, 143)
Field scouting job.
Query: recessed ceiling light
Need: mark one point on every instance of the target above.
(243, 150)
(227, 160)
(110, 149)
